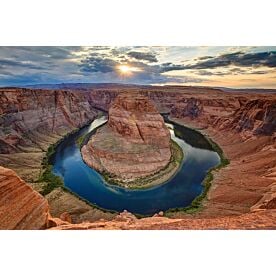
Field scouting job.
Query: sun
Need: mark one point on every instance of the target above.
(127, 70)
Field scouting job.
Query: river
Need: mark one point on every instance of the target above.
(176, 192)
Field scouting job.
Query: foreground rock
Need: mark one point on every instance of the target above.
(20, 206)
(134, 144)
(265, 219)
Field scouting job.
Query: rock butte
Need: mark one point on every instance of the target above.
(134, 143)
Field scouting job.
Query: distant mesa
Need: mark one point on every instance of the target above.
(134, 149)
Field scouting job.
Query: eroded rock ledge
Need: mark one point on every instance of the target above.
(134, 144)
(20, 206)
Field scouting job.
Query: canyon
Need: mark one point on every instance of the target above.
(242, 194)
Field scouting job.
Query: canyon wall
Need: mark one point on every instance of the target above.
(31, 120)
(28, 115)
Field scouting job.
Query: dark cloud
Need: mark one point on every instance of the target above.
(117, 51)
(240, 59)
(258, 72)
(267, 59)
(143, 56)
(240, 71)
(96, 63)
(166, 67)
(204, 57)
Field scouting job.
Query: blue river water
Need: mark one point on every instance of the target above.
(89, 184)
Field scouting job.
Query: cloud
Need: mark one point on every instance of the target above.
(238, 59)
(99, 48)
(210, 73)
(204, 57)
(267, 59)
(143, 56)
(9, 62)
(40, 52)
(168, 66)
(96, 63)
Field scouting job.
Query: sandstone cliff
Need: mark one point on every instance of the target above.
(31, 120)
(20, 206)
(254, 117)
(29, 115)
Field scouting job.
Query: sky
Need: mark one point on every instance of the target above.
(236, 67)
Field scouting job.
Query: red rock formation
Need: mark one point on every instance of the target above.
(20, 206)
(257, 116)
(27, 116)
(31, 120)
(191, 108)
(135, 143)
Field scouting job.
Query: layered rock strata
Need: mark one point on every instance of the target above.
(20, 206)
(31, 120)
(135, 142)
